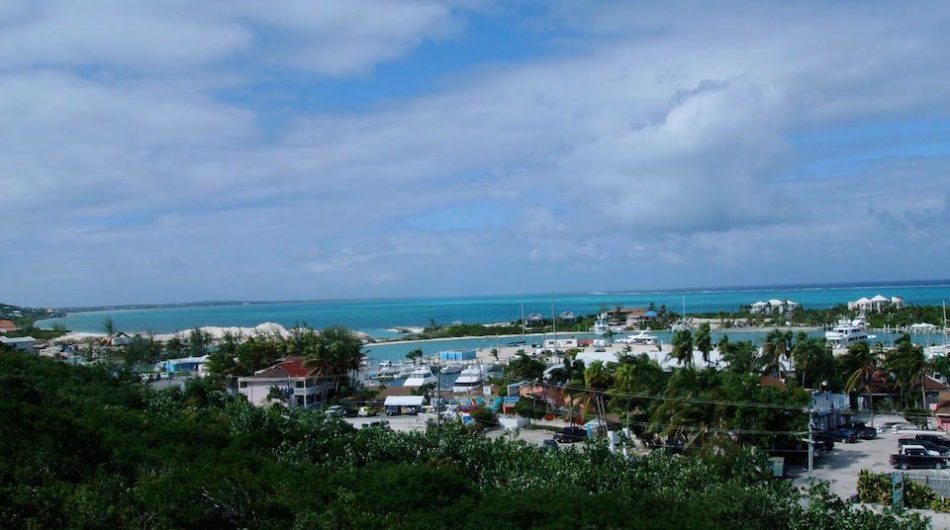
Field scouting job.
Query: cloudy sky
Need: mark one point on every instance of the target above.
(183, 150)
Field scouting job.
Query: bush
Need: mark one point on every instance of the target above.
(876, 488)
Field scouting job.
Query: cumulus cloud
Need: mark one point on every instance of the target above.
(640, 149)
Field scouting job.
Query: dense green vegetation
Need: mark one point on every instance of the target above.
(88, 448)
(24, 319)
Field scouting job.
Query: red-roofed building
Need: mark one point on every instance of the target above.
(7, 326)
(298, 385)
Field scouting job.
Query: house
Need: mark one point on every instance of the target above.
(182, 365)
(941, 410)
(397, 405)
(774, 307)
(534, 319)
(829, 410)
(568, 317)
(121, 339)
(298, 385)
(923, 327)
(19, 343)
(877, 304)
(7, 326)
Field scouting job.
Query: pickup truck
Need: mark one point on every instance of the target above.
(935, 439)
(570, 435)
(918, 458)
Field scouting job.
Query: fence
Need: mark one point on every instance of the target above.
(937, 481)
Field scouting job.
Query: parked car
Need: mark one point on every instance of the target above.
(918, 458)
(335, 410)
(930, 446)
(382, 424)
(903, 450)
(550, 443)
(570, 435)
(935, 439)
(824, 440)
(843, 433)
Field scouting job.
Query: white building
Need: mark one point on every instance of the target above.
(561, 344)
(774, 307)
(19, 343)
(878, 303)
(298, 385)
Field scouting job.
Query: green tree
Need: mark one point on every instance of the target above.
(108, 325)
(414, 355)
(909, 365)
(704, 341)
(336, 352)
(683, 347)
(863, 363)
(525, 368)
(777, 347)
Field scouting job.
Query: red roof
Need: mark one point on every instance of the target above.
(7, 325)
(933, 385)
(296, 367)
(292, 367)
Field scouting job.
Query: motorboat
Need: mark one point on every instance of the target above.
(640, 338)
(601, 327)
(847, 332)
(470, 379)
(451, 368)
(419, 377)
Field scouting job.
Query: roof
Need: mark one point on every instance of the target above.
(404, 401)
(880, 298)
(291, 367)
(7, 325)
(933, 385)
(16, 340)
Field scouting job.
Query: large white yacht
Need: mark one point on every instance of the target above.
(639, 338)
(470, 378)
(420, 376)
(601, 327)
(847, 332)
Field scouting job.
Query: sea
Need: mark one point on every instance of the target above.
(379, 317)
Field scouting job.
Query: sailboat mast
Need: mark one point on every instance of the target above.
(554, 321)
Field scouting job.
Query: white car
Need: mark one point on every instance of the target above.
(920, 447)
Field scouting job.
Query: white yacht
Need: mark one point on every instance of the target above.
(470, 379)
(847, 332)
(451, 368)
(639, 338)
(420, 376)
(600, 327)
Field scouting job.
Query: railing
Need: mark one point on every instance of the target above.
(937, 481)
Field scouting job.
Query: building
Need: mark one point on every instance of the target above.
(774, 307)
(457, 355)
(19, 343)
(397, 405)
(829, 410)
(560, 344)
(534, 319)
(296, 384)
(121, 339)
(183, 365)
(876, 304)
(7, 326)
(568, 317)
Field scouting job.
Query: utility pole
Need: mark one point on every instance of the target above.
(811, 442)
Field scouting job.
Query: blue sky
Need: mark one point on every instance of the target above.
(181, 150)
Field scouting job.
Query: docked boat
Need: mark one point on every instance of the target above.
(451, 368)
(847, 332)
(601, 327)
(470, 379)
(640, 338)
(419, 377)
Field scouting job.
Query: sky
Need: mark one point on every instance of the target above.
(185, 150)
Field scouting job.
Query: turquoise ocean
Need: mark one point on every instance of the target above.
(377, 316)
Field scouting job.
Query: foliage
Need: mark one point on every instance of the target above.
(524, 368)
(84, 448)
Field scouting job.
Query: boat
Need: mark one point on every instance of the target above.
(601, 327)
(470, 379)
(640, 338)
(847, 332)
(419, 377)
(451, 368)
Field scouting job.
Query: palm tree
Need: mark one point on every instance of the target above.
(414, 355)
(864, 363)
(777, 348)
(335, 353)
(683, 347)
(704, 341)
(909, 365)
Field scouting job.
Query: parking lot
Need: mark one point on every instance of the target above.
(418, 423)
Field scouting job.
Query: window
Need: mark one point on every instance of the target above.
(299, 401)
(299, 384)
(243, 384)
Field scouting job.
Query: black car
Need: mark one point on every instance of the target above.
(918, 458)
(862, 431)
(926, 444)
(550, 443)
(935, 439)
(824, 440)
(570, 435)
